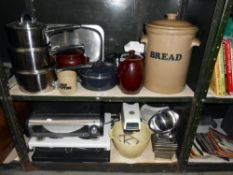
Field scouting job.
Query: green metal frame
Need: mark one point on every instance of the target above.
(221, 13)
(12, 120)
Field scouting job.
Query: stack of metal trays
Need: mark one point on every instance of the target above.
(91, 36)
(163, 146)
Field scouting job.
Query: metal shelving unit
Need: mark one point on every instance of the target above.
(202, 96)
(195, 98)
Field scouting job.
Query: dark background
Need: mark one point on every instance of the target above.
(122, 20)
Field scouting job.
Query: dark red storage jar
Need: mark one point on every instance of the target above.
(131, 72)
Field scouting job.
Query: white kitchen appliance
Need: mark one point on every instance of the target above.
(131, 117)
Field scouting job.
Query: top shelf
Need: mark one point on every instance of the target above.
(112, 95)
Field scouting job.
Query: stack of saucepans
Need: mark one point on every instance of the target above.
(30, 53)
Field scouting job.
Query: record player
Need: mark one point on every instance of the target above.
(72, 148)
(60, 125)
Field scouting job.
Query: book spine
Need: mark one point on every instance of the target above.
(232, 58)
(221, 56)
(215, 81)
(227, 44)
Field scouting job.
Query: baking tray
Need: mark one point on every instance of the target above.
(91, 36)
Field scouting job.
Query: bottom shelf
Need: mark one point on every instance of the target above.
(209, 158)
(118, 163)
(12, 156)
(209, 167)
(146, 157)
(212, 160)
(63, 149)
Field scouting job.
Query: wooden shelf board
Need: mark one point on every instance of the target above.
(146, 157)
(213, 98)
(12, 156)
(212, 159)
(114, 94)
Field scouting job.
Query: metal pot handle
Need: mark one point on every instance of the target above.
(25, 18)
(57, 49)
(76, 67)
(54, 30)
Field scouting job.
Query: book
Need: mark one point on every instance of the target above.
(227, 49)
(232, 58)
(222, 68)
(215, 84)
(221, 142)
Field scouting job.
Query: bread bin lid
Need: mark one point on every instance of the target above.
(171, 23)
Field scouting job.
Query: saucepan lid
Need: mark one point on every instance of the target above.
(99, 69)
(26, 22)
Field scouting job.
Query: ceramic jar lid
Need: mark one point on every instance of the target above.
(132, 55)
(171, 24)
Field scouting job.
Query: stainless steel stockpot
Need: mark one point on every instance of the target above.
(30, 59)
(36, 82)
(26, 33)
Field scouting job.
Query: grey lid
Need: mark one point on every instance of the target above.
(26, 22)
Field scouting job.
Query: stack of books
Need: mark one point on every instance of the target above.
(213, 143)
(222, 78)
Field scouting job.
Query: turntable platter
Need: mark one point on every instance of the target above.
(62, 129)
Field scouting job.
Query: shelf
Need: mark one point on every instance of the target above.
(146, 160)
(117, 162)
(212, 159)
(201, 167)
(107, 167)
(101, 142)
(146, 157)
(12, 156)
(213, 98)
(112, 95)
